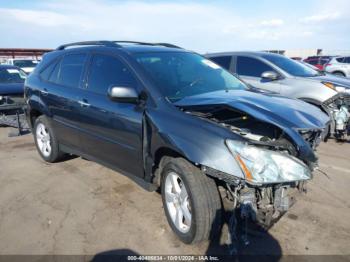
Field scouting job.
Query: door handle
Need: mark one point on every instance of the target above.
(84, 103)
(44, 92)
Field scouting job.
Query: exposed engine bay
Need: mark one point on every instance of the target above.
(263, 205)
(338, 109)
(257, 132)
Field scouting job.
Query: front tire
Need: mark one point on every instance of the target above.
(191, 201)
(46, 141)
(339, 74)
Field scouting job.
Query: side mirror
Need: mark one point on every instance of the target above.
(270, 75)
(123, 94)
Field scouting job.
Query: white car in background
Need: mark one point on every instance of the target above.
(339, 66)
(27, 65)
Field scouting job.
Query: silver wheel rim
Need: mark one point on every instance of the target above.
(178, 202)
(43, 139)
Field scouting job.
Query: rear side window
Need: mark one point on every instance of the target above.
(248, 66)
(224, 61)
(71, 70)
(347, 60)
(45, 74)
(106, 71)
(340, 59)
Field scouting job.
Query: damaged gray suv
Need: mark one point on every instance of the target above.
(172, 120)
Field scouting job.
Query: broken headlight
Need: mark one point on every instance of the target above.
(265, 166)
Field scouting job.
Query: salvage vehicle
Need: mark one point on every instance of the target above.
(26, 64)
(11, 89)
(172, 120)
(290, 78)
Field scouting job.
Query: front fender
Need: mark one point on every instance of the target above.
(195, 143)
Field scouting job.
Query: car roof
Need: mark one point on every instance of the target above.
(126, 46)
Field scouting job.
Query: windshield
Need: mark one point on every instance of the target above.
(178, 74)
(11, 75)
(25, 63)
(292, 67)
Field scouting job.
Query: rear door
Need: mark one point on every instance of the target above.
(112, 130)
(250, 70)
(61, 94)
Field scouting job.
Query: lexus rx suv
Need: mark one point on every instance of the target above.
(173, 120)
(280, 74)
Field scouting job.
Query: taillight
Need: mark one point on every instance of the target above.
(327, 65)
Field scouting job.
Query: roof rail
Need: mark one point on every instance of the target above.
(168, 45)
(152, 44)
(113, 44)
(102, 43)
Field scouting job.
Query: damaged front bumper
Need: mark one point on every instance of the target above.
(263, 204)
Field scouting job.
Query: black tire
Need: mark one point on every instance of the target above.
(204, 198)
(55, 154)
(338, 74)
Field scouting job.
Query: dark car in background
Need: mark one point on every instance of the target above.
(171, 119)
(318, 61)
(11, 89)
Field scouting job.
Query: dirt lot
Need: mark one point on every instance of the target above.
(79, 207)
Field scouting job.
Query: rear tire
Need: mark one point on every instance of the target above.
(191, 201)
(46, 141)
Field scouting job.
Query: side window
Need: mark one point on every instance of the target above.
(71, 69)
(54, 75)
(313, 61)
(223, 61)
(340, 59)
(248, 66)
(347, 60)
(45, 74)
(106, 71)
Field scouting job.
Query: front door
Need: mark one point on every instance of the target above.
(112, 131)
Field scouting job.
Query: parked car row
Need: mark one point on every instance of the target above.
(26, 64)
(337, 65)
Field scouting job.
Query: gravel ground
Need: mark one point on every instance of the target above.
(79, 207)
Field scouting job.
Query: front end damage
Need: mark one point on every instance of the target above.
(266, 193)
(338, 108)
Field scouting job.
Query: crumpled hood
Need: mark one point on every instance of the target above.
(275, 109)
(12, 89)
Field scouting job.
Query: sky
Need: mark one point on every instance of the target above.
(202, 26)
